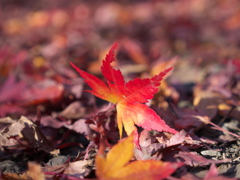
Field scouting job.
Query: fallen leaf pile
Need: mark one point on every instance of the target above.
(162, 103)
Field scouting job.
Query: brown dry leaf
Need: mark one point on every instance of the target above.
(35, 137)
(9, 128)
(77, 169)
(5, 122)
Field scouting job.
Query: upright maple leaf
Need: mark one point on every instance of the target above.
(114, 166)
(129, 97)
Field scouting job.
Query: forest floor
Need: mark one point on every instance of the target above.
(51, 128)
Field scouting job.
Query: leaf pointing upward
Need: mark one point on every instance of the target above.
(129, 97)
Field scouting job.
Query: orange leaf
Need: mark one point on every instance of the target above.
(115, 167)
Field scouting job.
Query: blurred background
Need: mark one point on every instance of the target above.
(39, 38)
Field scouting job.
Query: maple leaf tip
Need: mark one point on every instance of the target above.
(114, 47)
(74, 66)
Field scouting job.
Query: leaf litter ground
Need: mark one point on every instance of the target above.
(51, 128)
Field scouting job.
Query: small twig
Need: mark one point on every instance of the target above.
(65, 136)
(221, 129)
(88, 149)
(207, 121)
(68, 144)
(23, 145)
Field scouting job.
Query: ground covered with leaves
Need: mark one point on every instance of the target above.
(57, 123)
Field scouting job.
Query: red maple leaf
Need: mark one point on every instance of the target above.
(129, 97)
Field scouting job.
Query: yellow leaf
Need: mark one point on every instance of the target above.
(115, 167)
(117, 157)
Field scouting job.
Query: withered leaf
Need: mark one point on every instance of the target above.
(9, 128)
(35, 137)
